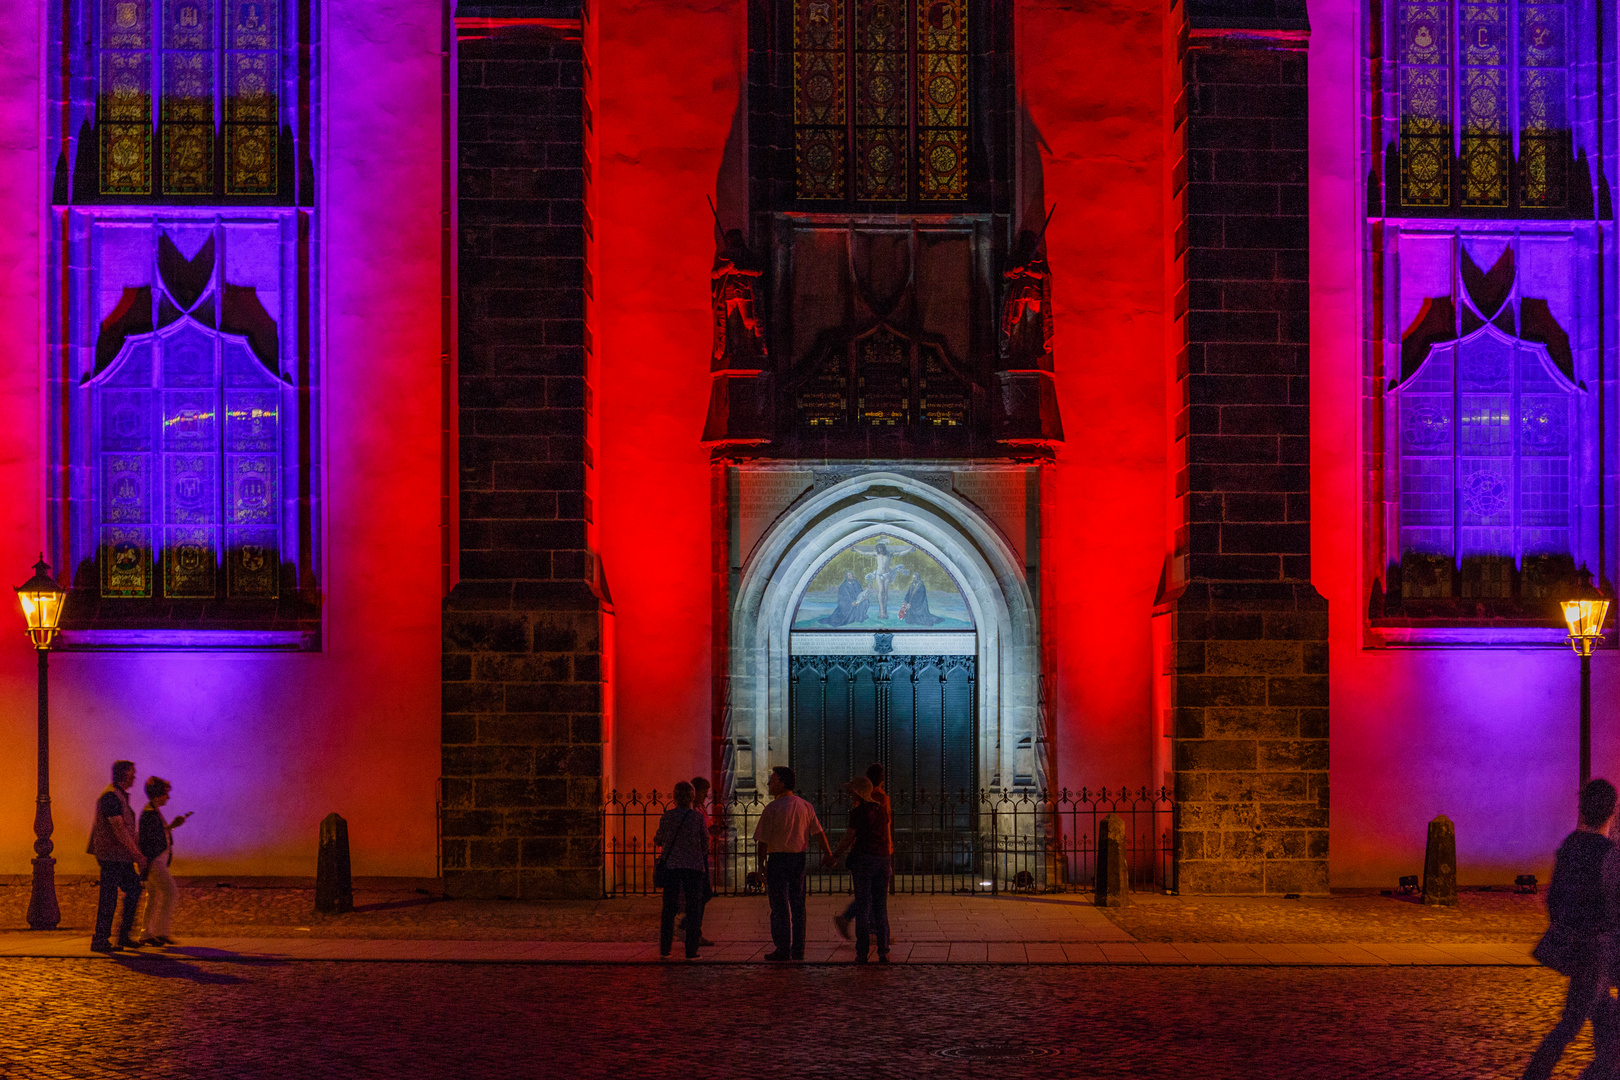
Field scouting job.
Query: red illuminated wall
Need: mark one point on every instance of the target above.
(1090, 78)
(262, 746)
(663, 128)
(1092, 85)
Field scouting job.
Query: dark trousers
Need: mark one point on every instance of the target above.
(689, 883)
(1587, 997)
(1605, 1039)
(117, 876)
(849, 908)
(871, 873)
(784, 884)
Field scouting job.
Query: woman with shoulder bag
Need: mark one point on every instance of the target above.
(681, 869)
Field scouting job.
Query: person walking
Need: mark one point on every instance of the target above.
(113, 843)
(1582, 930)
(683, 843)
(867, 842)
(874, 773)
(782, 838)
(157, 844)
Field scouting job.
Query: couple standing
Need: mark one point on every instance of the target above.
(783, 837)
(131, 853)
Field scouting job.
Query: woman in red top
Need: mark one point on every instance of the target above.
(867, 842)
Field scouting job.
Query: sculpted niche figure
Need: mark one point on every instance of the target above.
(739, 317)
(1026, 321)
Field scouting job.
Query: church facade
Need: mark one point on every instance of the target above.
(454, 419)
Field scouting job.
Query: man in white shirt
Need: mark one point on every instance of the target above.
(783, 836)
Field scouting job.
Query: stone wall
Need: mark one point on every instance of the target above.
(1248, 632)
(524, 735)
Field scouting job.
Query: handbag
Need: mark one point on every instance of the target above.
(1557, 949)
(660, 864)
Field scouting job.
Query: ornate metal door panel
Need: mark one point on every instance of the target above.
(916, 715)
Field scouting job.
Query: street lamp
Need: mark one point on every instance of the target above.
(1584, 615)
(41, 598)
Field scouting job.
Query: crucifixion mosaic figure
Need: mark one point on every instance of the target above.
(883, 574)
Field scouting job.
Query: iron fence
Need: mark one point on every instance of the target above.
(986, 841)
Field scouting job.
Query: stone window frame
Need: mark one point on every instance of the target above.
(75, 205)
(1462, 620)
(1588, 221)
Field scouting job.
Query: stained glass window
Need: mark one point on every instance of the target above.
(188, 437)
(252, 75)
(214, 69)
(883, 379)
(943, 396)
(880, 94)
(125, 99)
(824, 401)
(188, 97)
(885, 366)
(1470, 77)
(1484, 95)
(819, 97)
(1484, 440)
(881, 66)
(1425, 103)
(185, 492)
(942, 98)
(1543, 112)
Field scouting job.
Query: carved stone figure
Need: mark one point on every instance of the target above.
(739, 317)
(1026, 321)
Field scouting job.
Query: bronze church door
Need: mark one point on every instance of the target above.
(913, 714)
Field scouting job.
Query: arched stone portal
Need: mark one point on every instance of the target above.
(1009, 740)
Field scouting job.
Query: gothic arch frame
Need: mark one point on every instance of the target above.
(950, 529)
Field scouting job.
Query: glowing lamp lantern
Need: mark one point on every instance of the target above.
(1584, 615)
(1585, 621)
(42, 599)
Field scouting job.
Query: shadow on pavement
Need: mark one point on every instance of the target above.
(168, 967)
(394, 905)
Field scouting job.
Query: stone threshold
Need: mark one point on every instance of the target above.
(363, 950)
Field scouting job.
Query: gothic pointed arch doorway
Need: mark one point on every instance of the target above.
(883, 668)
(883, 617)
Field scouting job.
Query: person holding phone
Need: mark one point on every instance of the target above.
(157, 844)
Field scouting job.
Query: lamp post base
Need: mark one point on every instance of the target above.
(43, 914)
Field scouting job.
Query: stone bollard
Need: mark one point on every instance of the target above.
(1113, 878)
(1440, 864)
(334, 888)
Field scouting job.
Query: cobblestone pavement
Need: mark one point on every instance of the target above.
(398, 908)
(1107, 952)
(157, 1019)
(1364, 915)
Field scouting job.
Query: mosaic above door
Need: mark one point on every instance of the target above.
(882, 583)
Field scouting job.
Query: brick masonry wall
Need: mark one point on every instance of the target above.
(523, 692)
(1248, 648)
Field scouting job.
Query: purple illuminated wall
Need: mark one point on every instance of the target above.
(1486, 736)
(262, 745)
